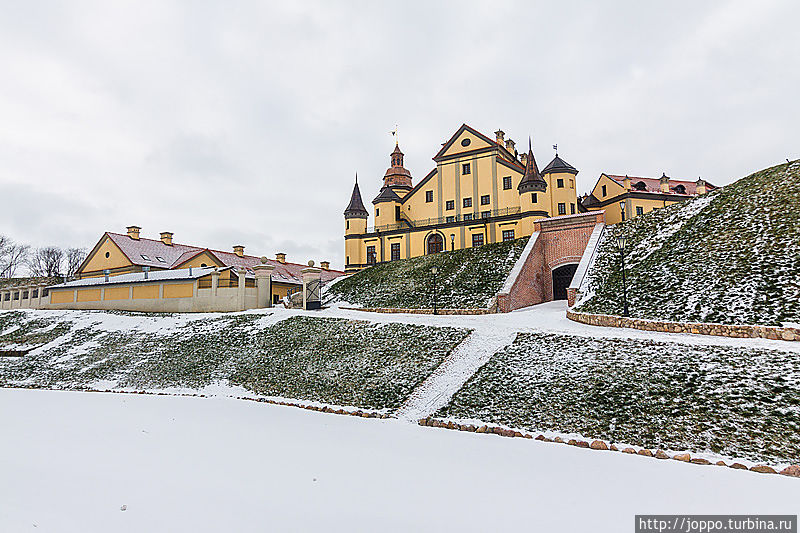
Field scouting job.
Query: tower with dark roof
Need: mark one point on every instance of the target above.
(355, 224)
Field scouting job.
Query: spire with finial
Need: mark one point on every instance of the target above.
(356, 209)
(397, 177)
(532, 181)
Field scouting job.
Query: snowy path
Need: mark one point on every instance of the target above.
(70, 461)
(459, 366)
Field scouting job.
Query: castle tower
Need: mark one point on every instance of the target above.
(355, 220)
(532, 193)
(396, 184)
(560, 178)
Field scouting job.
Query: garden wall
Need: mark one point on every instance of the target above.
(722, 330)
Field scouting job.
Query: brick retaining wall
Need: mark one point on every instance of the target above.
(721, 330)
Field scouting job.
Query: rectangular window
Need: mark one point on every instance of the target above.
(534, 197)
(428, 196)
(639, 210)
(485, 199)
(508, 234)
(467, 202)
(7, 296)
(397, 212)
(468, 216)
(276, 299)
(377, 212)
(450, 219)
(571, 183)
(35, 293)
(477, 240)
(486, 214)
(465, 168)
(604, 190)
(572, 208)
(395, 251)
(16, 295)
(24, 295)
(450, 204)
(560, 183)
(562, 208)
(370, 255)
(348, 225)
(506, 183)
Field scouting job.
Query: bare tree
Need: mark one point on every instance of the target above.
(74, 258)
(46, 262)
(12, 256)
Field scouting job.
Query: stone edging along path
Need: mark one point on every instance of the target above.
(721, 330)
(420, 311)
(791, 471)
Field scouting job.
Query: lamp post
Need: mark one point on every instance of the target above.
(452, 242)
(434, 270)
(621, 243)
(622, 209)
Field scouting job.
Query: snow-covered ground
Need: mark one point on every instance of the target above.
(73, 461)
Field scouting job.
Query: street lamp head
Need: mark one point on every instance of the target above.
(622, 242)
(622, 205)
(434, 270)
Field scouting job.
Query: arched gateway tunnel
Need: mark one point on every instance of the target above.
(559, 249)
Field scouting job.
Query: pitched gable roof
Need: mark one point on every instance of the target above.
(145, 252)
(465, 127)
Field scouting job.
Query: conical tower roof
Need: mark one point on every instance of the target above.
(356, 209)
(532, 181)
(559, 165)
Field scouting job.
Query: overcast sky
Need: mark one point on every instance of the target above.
(244, 123)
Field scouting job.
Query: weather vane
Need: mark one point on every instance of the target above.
(555, 147)
(395, 135)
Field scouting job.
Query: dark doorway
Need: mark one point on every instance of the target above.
(435, 244)
(562, 277)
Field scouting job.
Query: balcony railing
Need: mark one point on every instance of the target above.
(476, 216)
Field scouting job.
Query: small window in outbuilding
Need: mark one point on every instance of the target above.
(639, 210)
(276, 299)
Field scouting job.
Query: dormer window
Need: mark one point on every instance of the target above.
(145, 257)
(680, 189)
(160, 259)
(640, 186)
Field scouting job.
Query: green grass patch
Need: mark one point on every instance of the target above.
(467, 279)
(727, 400)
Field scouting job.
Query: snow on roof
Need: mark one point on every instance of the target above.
(154, 253)
(653, 185)
(155, 275)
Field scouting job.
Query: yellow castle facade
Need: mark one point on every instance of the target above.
(481, 191)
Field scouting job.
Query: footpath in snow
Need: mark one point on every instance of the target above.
(451, 375)
(94, 462)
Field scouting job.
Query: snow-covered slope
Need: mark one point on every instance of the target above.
(329, 360)
(731, 256)
(467, 279)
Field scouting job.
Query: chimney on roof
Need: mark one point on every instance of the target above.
(500, 137)
(326, 265)
(280, 257)
(626, 183)
(239, 250)
(664, 183)
(510, 146)
(701, 186)
(524, 159)
(166, 237)
(133, 232)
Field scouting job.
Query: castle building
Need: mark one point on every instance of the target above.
(481, 191)
(624, 197)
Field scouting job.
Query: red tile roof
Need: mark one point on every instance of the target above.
(146, 252)
(654, 184)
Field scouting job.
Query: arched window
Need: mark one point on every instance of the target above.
(435, 244)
